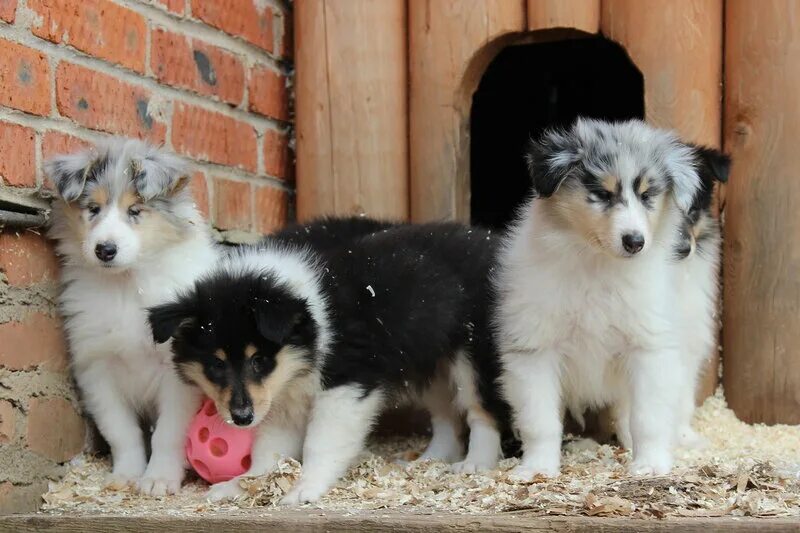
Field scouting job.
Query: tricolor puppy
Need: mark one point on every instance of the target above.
(590, 306)
(129, 237)
(311, 347)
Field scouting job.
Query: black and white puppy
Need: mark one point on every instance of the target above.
(129, 237)
(315, 348)
(590, 297)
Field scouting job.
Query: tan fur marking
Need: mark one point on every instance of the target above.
(99, 196)
(289, 363)
(193, 371)
(128, 199)
(609, 183)
(644, 184)
(249, 351)
(220, 354)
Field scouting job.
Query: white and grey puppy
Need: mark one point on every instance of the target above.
(129, 236)
(589, 305)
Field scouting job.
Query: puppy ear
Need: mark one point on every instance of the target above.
(283, 322)
(551, 160)
(165, 319)
(68, 173)
(713, 163)
(160, 173)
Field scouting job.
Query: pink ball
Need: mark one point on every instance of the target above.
(216, 450)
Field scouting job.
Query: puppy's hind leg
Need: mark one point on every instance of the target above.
(340, 421)
(118, 423)
(445, 444)
(485, 444)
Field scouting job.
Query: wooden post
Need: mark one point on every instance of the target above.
(351, 101)
(677, 45)
(450, 44)
(762, 228)
(581, 15)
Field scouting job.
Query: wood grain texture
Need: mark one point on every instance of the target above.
(450, 44)
(581, 15)
(677, 45)
(313, 520)
(762, 228)
(351, 101)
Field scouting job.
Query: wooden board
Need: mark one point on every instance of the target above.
(351, 101)
(279, 521)
(677, 45)
(761, 314)
(450, 44)
(581, 15)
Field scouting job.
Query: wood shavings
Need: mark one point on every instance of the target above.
(747, 470)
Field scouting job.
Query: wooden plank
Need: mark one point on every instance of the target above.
(762, 227)
(305, 520)
(450, 44)
(351, 100)
(581, 15)
(677, 45)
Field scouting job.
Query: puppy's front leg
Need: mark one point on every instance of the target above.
(118, 423)
(271, 443)
(532, 385)
(654, 400)
(340, 421)
(177, 404)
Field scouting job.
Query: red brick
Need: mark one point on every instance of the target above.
(55, 143)
(276, 154)
(210, 136)
(8, 421)
(24, 79)
(26, 259)
(232, 204)
(268, 94)
(174, 6)
(8, 9)
(55, 429)
(100, 28)
(200, 192)
(240, 18)
(36, 340)
(287, 38)
(271, 206)
(101, 102)
(195, 65)
(18, 162)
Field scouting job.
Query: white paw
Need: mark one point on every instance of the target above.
(528, 471)
(227, 490)
(304, 493)
(655, 464)
(160, 479)
(152, 486)
(441, 454)
(472, 466)
(689, 438)
(118, 481)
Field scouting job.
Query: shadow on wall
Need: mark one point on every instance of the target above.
(528, 88)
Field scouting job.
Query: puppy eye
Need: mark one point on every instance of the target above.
(645, 196)
(257, 362)
(603, 195)
(134, 211)
(93, 209)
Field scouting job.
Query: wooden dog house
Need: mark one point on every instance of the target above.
(384, 102)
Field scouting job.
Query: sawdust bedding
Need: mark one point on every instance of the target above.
(748, 470)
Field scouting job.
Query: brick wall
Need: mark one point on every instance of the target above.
(206, 78)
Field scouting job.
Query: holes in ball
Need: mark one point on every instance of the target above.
(218, 447)
(246, 461)
(203, 434)
(201, 468)
(210, 409)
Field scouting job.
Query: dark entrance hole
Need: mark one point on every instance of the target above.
(528, 88)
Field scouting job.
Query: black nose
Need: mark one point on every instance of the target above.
(105, 251)
(633, 242)
(242, 416)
